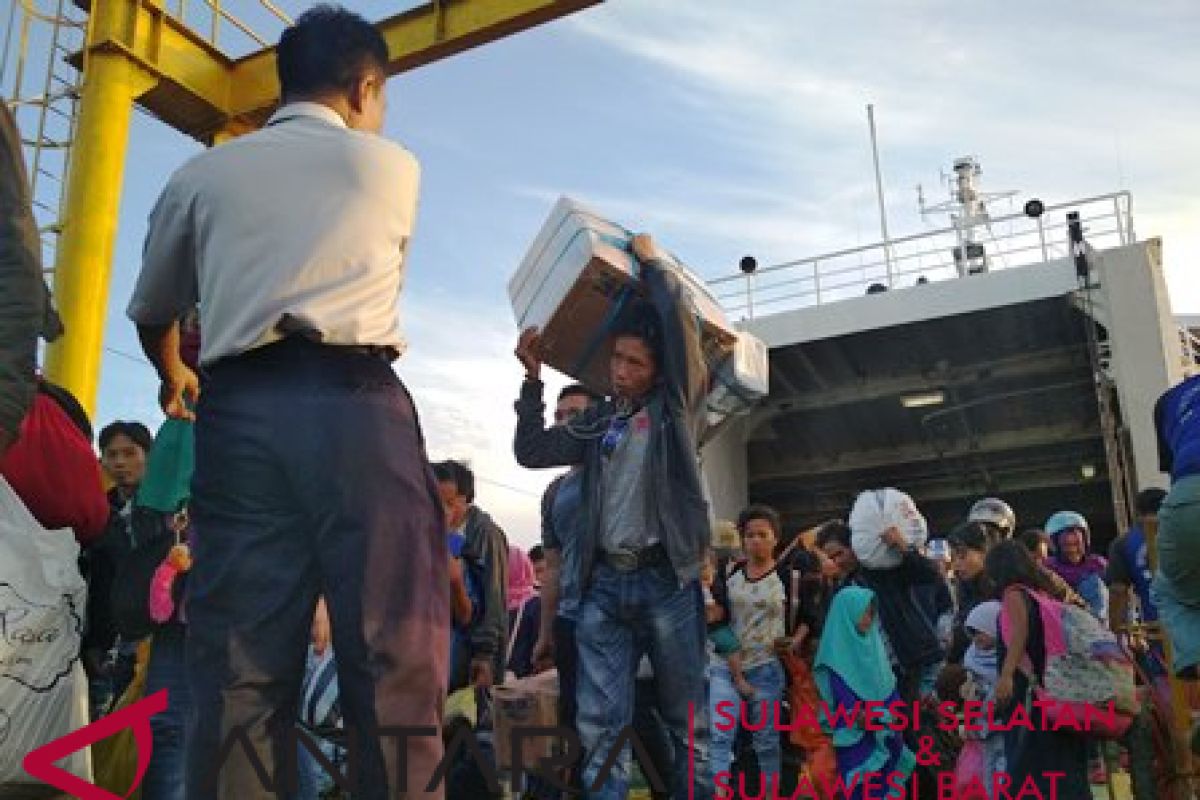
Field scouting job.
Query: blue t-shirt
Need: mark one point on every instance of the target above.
(460, 638)
(1128, 563)
(1177, 421)
(560, 531)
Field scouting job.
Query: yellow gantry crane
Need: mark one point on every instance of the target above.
(152, 54)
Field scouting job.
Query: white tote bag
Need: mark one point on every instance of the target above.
(43, 689)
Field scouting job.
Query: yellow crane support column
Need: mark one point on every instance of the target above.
(111, 84)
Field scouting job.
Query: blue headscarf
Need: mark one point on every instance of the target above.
(860, 660)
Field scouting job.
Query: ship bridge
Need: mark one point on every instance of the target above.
(892, 365)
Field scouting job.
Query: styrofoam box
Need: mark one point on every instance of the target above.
(742, 379)
(568, 281)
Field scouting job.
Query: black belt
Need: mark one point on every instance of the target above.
(633, 560)
(385, 353)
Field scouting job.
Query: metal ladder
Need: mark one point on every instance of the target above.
(41, 86)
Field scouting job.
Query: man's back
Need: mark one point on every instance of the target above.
(304, 221)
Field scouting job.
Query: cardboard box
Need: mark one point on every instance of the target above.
(568, 286)
(525, 703)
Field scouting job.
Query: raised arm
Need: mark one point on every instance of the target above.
(685, 372)
(534, 445)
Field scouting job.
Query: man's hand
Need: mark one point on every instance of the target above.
(894, 539)
(456, 573)
(179, 392)
(7, 440)
(543, 655)
(320, 628)
(527, 353)
(1004, 689)
(481, 673)
(645, 249)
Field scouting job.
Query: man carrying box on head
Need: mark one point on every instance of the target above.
(646, 528)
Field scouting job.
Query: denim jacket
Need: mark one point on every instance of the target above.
(677, 416)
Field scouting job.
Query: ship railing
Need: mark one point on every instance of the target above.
(1007, 241)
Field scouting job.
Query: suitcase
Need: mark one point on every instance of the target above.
(572, 284)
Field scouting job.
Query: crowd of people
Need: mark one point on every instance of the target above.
(328, 575)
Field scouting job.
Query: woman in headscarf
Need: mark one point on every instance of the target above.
(524, 612)
(1055, 761)
(1082, 570)
(852, 668)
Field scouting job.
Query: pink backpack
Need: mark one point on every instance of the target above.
(1086, 669)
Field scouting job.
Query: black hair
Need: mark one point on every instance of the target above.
(1148, 501)
(1010, 563)
(138, 433)
(1033, 538)
(537, 553)
(459, 474)
(328, 49)
(971, 535)
(578, 390)
(760, 511)
(835, 530)
(641, 322)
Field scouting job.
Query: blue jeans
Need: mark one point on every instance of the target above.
(165, 776)
(768, 682)
(622, 616)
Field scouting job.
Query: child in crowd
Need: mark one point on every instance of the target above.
(982, 664)
(852, 668)
(724, 641)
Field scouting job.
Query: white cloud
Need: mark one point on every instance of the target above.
(464, 379)
(1058, 103)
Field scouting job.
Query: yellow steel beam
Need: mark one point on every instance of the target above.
(415, 38)
(203, 93)
(89, 226)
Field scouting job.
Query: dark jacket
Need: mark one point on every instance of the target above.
(25, 311)
(487, 546)
(910, 631)
(677, 417)
(101, 561)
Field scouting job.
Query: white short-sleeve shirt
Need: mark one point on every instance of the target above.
(301, 226)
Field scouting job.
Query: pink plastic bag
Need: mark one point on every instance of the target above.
(971, 776)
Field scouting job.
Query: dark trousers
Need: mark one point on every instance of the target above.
(311, 479)
(164, 778)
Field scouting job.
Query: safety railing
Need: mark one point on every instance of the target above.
(1007, 241)
(236, 27)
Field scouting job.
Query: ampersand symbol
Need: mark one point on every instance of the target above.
(926, 756)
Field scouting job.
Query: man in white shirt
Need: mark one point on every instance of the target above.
(311, 477)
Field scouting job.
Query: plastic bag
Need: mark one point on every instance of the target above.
(54, 471)
(971, 772)
(167, 484)
(117, 756)
(43, 690)
(875, 511)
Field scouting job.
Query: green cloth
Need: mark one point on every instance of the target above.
(861, 661)
(167, 485)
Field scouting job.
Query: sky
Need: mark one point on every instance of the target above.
(729, 129)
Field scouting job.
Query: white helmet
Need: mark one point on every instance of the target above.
(995, 511)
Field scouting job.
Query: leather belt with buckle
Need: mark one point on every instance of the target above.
(633, 560)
